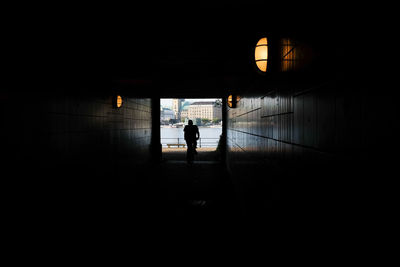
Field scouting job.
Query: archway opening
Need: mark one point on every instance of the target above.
(205, 114)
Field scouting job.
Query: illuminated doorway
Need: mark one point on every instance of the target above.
(206, 114)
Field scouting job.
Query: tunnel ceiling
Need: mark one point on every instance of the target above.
(195, 55)
(167, 51)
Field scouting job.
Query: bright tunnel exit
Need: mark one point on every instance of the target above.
(176, 115)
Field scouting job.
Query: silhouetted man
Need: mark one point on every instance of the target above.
(191, 136)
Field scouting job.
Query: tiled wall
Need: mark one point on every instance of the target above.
(75, 136)
(290, 143)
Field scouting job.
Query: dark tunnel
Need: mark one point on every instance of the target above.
(310, 135)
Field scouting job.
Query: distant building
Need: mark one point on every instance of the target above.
(184, 112)
(205, 110)
(176, 107)
(166, 114)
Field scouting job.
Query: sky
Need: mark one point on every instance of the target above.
(167, 102)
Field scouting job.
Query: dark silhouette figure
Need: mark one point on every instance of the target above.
(191, 136)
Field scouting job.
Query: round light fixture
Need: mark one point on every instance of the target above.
(233, 100)
(261, 54)
(119, 101)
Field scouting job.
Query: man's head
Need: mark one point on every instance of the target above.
(190, 122)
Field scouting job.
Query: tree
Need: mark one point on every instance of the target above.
(205, 120)
(218, 103)
(216, 120)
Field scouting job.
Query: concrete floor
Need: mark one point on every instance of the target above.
(174, 188)
(199, 189)
(204, 154)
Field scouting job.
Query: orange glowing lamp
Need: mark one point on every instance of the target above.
(119, 101)
(261, 54)
(233, 100)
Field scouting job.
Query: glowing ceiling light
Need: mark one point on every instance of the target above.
(233, 100)
(119, 101)
(261, 54)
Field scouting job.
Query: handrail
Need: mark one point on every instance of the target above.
(199, 141)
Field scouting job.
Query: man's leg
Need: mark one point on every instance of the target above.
(188, 144)
(194, 147)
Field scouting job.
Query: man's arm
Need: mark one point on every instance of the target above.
(197, 132)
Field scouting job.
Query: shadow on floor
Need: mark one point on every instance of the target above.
(200, 189)
(174, 188)
(204, 154)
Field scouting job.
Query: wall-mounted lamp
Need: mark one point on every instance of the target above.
(233, 100)
(261, 54)
(117, 101)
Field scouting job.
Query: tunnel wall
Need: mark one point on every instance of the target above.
(305, 147)
(74, 138)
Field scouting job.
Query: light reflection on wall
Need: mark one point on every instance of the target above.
(294, 55)
(288, 55)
